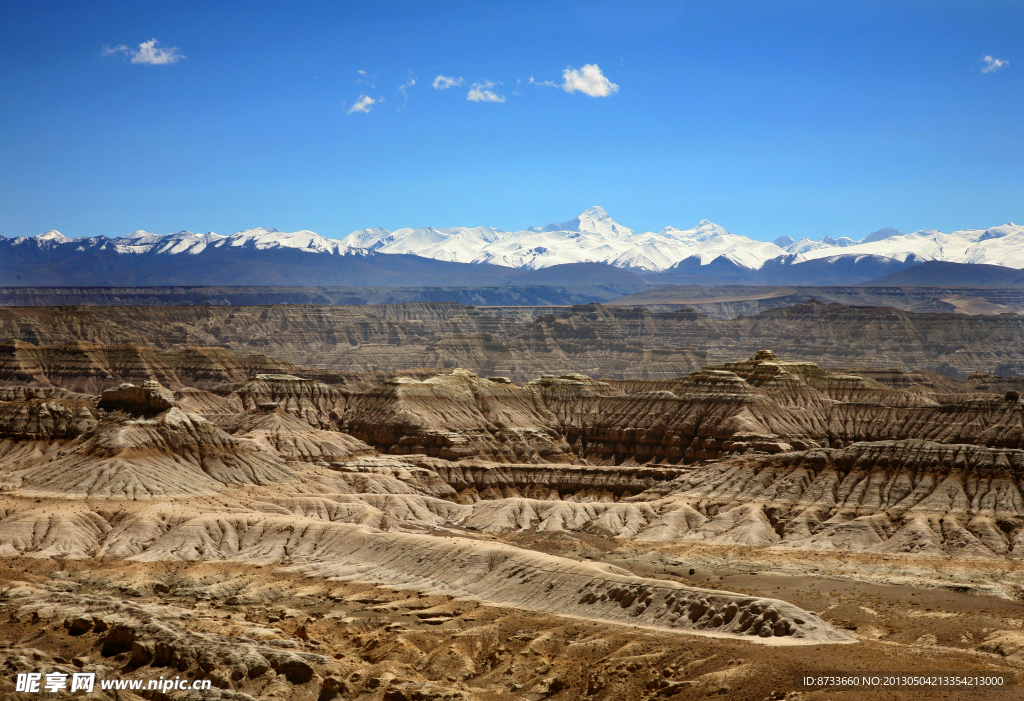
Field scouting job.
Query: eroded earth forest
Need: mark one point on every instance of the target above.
(427, 502)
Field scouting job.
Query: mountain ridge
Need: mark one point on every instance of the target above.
(704, 254)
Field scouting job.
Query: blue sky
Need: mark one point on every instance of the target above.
(797, 118)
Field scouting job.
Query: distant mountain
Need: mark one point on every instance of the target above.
(593, 236)
(469, 256)
(938, 273)
(881, 234)
(192, 259)
(784, 270)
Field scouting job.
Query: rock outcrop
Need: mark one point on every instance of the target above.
(150, 397)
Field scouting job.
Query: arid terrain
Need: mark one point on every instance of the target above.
(522, 343)
(437, 502)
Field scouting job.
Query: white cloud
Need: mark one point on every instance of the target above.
(481, 92)
(443, 82)
(148, 53)
(363, 104)
(993, 64)
(588, 80)
(404, 89)
(364, 80)
(545, 83)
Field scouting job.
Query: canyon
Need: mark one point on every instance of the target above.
(611, 342)
(443, 533)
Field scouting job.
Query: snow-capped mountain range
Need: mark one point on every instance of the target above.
(593, 236)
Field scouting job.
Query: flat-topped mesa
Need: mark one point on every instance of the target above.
(86, 366)
(806, 384)
(765, 365)
(320, 405)
(718, 382)
(151, 397)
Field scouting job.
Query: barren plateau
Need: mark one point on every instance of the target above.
(263, 498)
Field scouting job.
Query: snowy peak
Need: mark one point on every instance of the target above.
(140, 242)
(593, 220)
(704, 231)
(881, 234)
(52, 235)
(591, 237)
(841, 242)
(306, 241)
(368, 239)
(998, 232)
(998, 245)
(141, 235)
(596, 221)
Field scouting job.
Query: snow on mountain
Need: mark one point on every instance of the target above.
(140, 242)
(306, 241)
(881, 234)
(1000, 245)
(52, 235)
(143, 242)
(369, 239)
(594, 220)
(593, 236)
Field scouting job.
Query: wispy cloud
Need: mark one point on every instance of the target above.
(544, 83)
(404, 89)
(481, 92)
(588, 80)
(364, 79)
(443, 82)
(148, 53)
(993, 64)
(363, 104)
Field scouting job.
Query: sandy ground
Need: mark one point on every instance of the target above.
(382, 644)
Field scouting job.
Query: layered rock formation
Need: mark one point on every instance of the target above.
(264, 486)
(520, 343)
(497, 493)
(560, 453)
(92, 367)
(761, 404)
(885, 497)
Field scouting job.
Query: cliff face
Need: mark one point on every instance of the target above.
(597, 341)
(885, 497)
(758, 405)
(92, 367)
